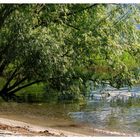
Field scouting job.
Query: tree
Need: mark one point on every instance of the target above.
(65, 45)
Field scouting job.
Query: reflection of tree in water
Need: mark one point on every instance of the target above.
(105, 116)
(112, 121)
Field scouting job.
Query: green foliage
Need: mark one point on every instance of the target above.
(66, 45)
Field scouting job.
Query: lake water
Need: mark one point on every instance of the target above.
(120, 116)
(118, 112)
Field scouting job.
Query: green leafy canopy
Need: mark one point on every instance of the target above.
(66, 45)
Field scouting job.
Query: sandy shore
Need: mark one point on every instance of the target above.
(10, 127)
(17, 128)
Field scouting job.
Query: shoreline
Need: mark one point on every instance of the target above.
(9, 127)
(18, 128)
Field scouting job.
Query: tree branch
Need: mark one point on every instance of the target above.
(5, 12)
(2, 66)
(44, 22)
(71, 26)
(122, 18)
(16, 84)
(9, 80)
(24, 86)
(81, 10)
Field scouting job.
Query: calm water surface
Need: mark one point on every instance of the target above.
(120, 116)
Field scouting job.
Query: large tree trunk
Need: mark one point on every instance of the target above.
(9, 97)
(8, 94)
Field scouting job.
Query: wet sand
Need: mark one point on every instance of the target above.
(18, 128)
(10, 127)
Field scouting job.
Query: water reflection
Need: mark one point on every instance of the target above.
(105, 116)
(120, 113)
